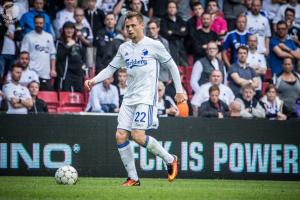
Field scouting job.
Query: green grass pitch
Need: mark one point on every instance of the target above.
(12, 188)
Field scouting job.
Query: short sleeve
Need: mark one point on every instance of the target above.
(27, 94)
(162, 55)
(227, 40)
(273, 43)
(25, 46)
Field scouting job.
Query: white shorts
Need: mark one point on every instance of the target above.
(140, 116)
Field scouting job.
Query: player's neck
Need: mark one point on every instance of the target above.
(138, 38)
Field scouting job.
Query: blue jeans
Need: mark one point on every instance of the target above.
(6, 61)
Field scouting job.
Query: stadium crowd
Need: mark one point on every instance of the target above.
(237, 58)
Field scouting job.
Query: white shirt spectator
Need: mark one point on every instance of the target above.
(280, 13)
(64, 16)
(28, 76)
(106, 5)
(23, 7)
(259, 25)
(100, 95)
(270, 8)
(202, 94)
(11, 90)
(42, 49)
(257, 60)
(9, 46)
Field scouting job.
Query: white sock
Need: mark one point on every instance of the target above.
(128, 159)
(155, 147)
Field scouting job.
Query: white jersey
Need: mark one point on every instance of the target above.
(11, 90)
(257, 60)
(41, 48)
(259, 26)
(142, 61)
(28, 76)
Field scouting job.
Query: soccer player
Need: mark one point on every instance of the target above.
(142, 57)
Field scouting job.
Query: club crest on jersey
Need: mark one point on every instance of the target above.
(145, 52)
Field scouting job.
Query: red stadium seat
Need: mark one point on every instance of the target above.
(268, 75)
(188, 73)
(71, 99)
(51, 98)
(69, 109)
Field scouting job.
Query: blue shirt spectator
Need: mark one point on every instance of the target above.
(27, 20)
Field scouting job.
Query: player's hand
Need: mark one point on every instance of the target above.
(180, 97)
(89, 84)
(53, 73)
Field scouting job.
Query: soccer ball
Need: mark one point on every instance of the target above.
(66, 175)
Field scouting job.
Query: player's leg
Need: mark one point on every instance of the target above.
(124, 147)
(144, 119)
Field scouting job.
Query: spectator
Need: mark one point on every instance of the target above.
(281, 47)
(83, 31)
(288, 87)
(23, 7)
(135, 6)
(240, 73)
(271, 7)
(173, 28)
(259, 25)
(10, 34)
(17, 96)
(27, 20)
(235, 109)
(107, 42)
(232, 9)
(203, 36)
(157, 8)
(219, 2)
(67, 14)
(107, 5)
(203, 67)
(94, 16)
(122, 86)
(122, 6)
(214, 107)
(165, 104)
(298, 108)
(104, 97)
(202, 95)
(250, 107)
(219, 24)
(195, 22)
(153, 32)
(184, 9)
(28, 75)
(256, 61)
(293, 29)
(248, 4)
(39, 106)
(235, 39)
(70, 59)
(280, 13)
(42, 52)
(273, 104)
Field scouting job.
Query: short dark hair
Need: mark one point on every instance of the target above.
(137, 15)
(155, 21)
(39, 16)
(172, 1)
(289, 10)
(194, 4)
(23, 52)
(110, 13)
(213, 88)
(29, 84)
(242, 47)
(281, 22)
(212, 1)
(122, 70)
(16, 66)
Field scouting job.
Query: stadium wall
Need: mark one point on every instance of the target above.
(37, 145)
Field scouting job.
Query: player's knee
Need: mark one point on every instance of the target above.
(121, 137)
(138, 137)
